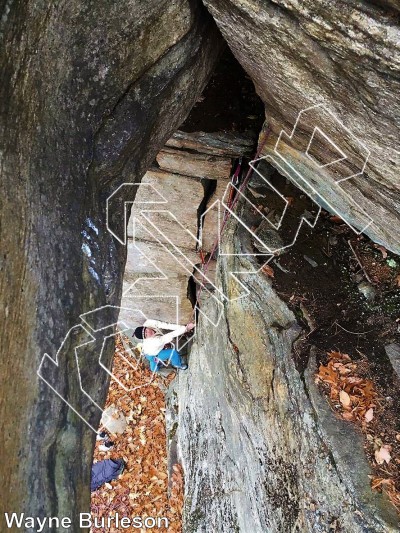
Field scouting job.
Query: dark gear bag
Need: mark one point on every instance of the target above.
(105, 471)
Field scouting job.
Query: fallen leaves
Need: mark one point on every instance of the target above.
(379, 481)
(388, 485)
(142, 490)
(355, 399)
(383, 250)
(344, 399)
(369, 415)
(383, 454)
(356, 395)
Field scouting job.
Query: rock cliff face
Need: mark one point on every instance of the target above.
(89, 94)
(345, 57)
(163, 246)
(261, 449)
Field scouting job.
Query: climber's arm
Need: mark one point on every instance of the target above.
(161, 325)
(180, 330)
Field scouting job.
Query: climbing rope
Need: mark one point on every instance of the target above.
(231, 204)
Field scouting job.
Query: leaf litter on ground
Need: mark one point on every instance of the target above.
(142, 489)
(355, 398)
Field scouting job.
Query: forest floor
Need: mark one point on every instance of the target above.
(142, 489)
(345, 292)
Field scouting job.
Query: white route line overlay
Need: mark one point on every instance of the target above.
(304, 179)
(86, 328)
(218, 204)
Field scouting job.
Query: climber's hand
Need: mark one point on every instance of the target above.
(190, 326)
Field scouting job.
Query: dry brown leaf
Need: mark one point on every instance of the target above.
(348, 416)
(344, 399)
(383, 455)
(382, 250)
(343, 370)
(327, 374)
(268, 271)
(368, 388)
(334, 394)
(379, 481)
(369, 415)
(339, 355)
(352, 380)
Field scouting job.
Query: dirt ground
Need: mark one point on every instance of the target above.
(345, 292)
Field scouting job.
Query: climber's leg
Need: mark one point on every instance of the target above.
(173, 356)
(153, 364)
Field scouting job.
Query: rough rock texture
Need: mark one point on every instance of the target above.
(393, 352)
(216, 143)
(161, 252)
(88, 94)
(194, 165)
(344, 55)
(261, 449)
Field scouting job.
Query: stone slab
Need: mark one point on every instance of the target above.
(225, 144)
(183, 196)
(192, 164)
(393, 352)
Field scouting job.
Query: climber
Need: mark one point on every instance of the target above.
(156, 345)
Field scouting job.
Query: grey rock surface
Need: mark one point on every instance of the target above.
(260, 447)
(89, 93)
(269, 239)
(163, 245)
(345, 57)
(393, 352)
(215, 143)
(189, 164)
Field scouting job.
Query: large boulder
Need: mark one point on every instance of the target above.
(89, 94)
(343, 57)
(261, 448)
(193, 175)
